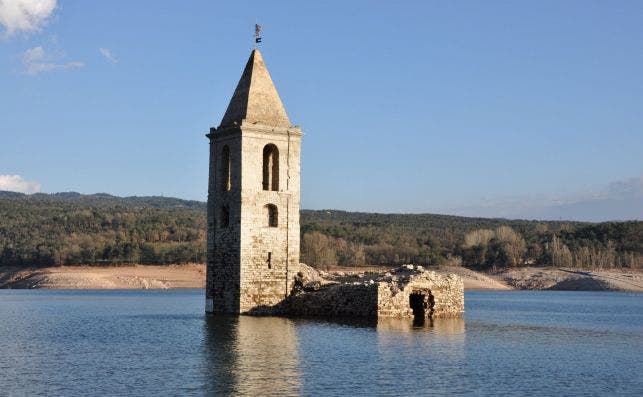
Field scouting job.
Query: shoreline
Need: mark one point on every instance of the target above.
(193, 276)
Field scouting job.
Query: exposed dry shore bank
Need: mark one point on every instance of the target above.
(568, 279)
(111, 277)
(193, 276)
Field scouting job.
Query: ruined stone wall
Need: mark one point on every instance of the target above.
(382, 295)
(443, 296)
(449, 298)
(337, 300)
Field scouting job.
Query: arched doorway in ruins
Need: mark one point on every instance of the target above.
(422, 303)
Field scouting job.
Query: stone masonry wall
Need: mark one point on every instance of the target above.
(381, 296)
(223, 242)
(267, 253)
(444, 295)
(249, 261)
(336, 300)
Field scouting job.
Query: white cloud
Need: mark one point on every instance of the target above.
(33, 55)
(108, 54)
(24, 15)
(35, 61)
(15, 183)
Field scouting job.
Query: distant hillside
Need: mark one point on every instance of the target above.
(105, 200)
(72, 228)
(438, 223)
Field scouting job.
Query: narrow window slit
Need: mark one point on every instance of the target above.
(225, 216)
(226, 177)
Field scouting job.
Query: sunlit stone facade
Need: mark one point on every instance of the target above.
(253, 199)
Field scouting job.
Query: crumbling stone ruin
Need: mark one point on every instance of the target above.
(409, 291)
(253, 226)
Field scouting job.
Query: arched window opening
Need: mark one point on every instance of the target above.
(224, 219)
(225, 169)
(270, 216)
(270, 167)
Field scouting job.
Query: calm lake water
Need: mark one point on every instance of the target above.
(68, 343)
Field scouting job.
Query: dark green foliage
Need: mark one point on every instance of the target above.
(626, 236)
(69, 228)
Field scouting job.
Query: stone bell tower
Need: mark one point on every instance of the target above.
(253, 198)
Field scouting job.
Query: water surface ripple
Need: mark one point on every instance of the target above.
(72, 343)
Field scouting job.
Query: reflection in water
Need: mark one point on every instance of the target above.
(251, 356)
(417, 353)
(276, 356)
(149, 343)
(438, 326)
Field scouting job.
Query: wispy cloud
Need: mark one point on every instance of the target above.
(629, 188)
(15, 183)
(619, 200)
(24, 15)
(108, 54)
(35, 61)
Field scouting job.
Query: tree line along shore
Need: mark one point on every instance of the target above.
(45, 230)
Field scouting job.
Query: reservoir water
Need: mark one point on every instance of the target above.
(159, 342)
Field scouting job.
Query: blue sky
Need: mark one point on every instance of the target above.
(496, 108)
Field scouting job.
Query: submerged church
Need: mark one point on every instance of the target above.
(253, 226)
(253, 198)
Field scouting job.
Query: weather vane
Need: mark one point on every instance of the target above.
(257, 34)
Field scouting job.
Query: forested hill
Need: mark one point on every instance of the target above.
(72, 228)
(104, 200)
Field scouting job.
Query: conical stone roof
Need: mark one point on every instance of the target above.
(256, 99)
